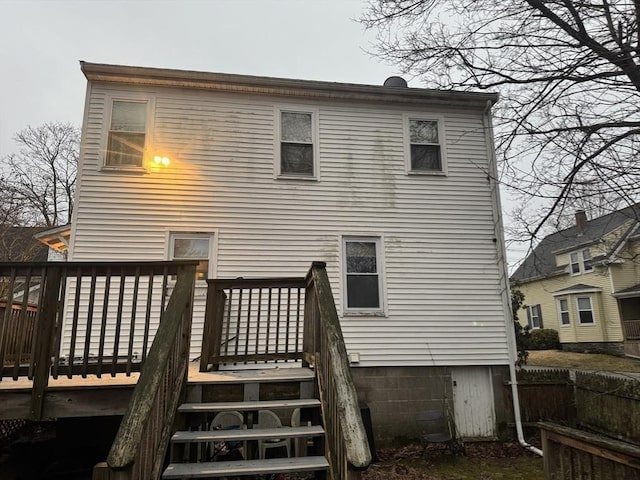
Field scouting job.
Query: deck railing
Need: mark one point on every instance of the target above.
(252, 321)
(138, 450)
(347, 445)
(631, 329)
(79, 318)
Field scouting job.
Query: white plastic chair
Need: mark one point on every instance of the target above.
(268, 419)
(225, 421)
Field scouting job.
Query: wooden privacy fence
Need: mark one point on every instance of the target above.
(545, 394)
(79, 318)
(609, 405)
(574, 454)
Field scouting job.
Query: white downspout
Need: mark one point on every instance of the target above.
(502, 263)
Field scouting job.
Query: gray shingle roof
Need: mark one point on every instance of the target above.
(542, 261)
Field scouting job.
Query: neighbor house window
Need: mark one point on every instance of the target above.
(362, 274)
(563, 311)
(585, 311)
(192, 246)
(298, 144)
(127, 134)
(534, 316)
(425, 146)
(581, 261)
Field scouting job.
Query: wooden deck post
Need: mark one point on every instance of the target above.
(44, 340)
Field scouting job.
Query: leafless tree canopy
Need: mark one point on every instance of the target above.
(38, 182)
(568, 72)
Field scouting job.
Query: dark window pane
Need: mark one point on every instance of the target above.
(586, 316)
(125, 149)
(296, 159)
(426, 157)
(362, 291)
(361, 257)
(129, 116)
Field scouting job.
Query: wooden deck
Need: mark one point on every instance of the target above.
(109, 395)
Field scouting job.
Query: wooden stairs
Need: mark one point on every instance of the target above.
(248, 392)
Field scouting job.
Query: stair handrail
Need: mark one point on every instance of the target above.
(138, 450)
(347, 444)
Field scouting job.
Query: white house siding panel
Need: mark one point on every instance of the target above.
(442, 291)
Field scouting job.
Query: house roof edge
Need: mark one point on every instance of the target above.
(277, 86)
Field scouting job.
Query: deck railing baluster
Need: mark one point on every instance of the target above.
(8, 312)
(57, 327)
(238, 321)
(248, 327)
(132, 324)
(74, 327)
(147, 317)
(87, 335)
(116, 338)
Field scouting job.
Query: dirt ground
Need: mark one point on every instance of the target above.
(483, 461)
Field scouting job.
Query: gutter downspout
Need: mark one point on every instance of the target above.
(502, 263)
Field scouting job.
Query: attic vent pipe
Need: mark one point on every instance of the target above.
(581, 221)
(398, 82)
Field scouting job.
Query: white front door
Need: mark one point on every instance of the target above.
(473, 405)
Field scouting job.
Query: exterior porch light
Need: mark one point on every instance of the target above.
(164, 161)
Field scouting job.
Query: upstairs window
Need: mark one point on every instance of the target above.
(580, 262)
(297, 152)
(534, 317)
(362, 273)
(425, 146)
(192, 246)
(127, 134)
(563, 311)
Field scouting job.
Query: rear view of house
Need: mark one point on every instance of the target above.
(584, 282)
(392, 187)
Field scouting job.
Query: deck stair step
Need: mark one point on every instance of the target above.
(248, 406)
(267, 375)
(248, 434)
(245, 467)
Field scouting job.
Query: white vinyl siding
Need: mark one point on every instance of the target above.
(442, 280)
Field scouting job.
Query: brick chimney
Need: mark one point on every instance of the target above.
(581, 221)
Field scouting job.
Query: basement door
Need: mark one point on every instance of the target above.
(473, 405)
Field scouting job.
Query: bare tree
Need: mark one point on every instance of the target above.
(39, 181)
(568, 123)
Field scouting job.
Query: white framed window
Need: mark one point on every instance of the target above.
(580, 262)
(362, 275)
(296, 151)
(563, 312)
(424, 144)
(534, 317)
(193, 246)
(585, 311)
(127, 132)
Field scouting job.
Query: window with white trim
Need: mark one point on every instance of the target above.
(193, 246)
(534, 316)
(585, 311)
(424, 144)
(297, 150)
(580, 262)
(563, 312)
(362, 275)
(127, 133)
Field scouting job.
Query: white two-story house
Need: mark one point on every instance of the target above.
(393, 187)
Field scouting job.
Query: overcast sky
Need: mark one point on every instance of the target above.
(41, 43)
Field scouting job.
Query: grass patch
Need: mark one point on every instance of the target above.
(584, 361)
(484, 461)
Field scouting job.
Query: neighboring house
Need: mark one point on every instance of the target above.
(18, 244)
(585, 282)
(392, 187)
